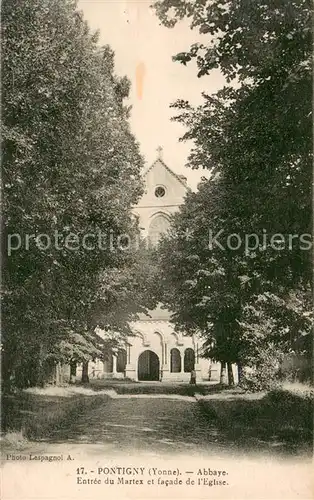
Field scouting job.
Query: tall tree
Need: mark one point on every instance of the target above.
(71, 171)
(255, 136)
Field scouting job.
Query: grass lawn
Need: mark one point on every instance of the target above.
(280, 417)
(33, 416)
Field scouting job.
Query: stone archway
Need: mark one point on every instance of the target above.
(148, 366)
(121, 361)
(175, 361)
(158, 227)
(189, 360)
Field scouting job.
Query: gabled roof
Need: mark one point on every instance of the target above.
(159, 160)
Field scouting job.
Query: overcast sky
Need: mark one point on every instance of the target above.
(137, 38)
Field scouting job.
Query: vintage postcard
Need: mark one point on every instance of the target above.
(157, 325)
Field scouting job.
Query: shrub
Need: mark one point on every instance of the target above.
(265, 372)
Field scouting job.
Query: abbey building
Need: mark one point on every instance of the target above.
(156, 351)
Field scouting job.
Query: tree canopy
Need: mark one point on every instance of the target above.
(71, 172)
(255, 136)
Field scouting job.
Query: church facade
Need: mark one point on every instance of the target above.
(156, 351)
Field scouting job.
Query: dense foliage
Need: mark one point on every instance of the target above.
(250, 288)
(71, 171)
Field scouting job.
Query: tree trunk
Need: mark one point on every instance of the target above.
(6, 373)
(30, 371)
(57, 375)
(85, 377)
(72, 372)
(223, 374)
(37, 373)
(40, 382)
(240, 373)
(230, 374)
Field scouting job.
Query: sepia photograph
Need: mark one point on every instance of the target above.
(157, 249)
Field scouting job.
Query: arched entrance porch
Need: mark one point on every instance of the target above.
(148, 366)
